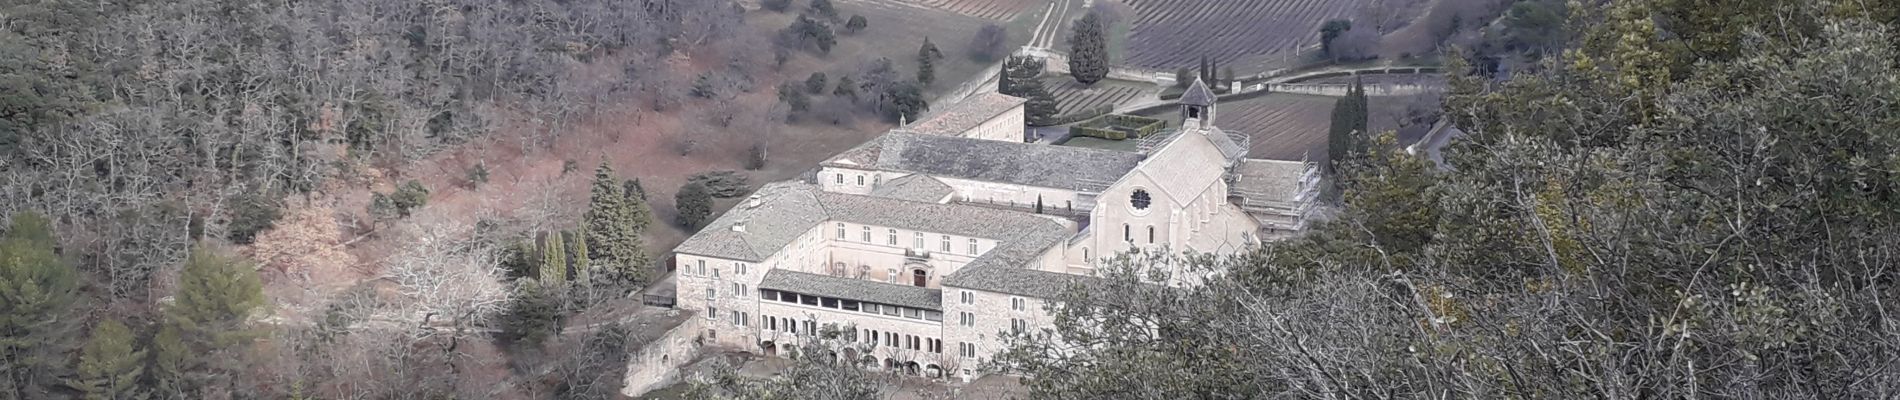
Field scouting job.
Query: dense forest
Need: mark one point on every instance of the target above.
(141, 140)
(1686, 201)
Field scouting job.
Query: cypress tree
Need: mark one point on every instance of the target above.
(110, 364)
(1088, 50)
(1041, 109)
(553, 259)
(577, 251)
(926, 70)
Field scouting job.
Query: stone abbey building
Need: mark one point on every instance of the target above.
(928, 244)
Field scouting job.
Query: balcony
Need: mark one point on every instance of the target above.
(916, 255)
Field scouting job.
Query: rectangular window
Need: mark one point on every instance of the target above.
(848, 305)
(701, 264)
(871, 307)
(918, 241)
(788, 297)
(890, 310)
(712, 313)
(767, 294)
(1151, 234)
(891, 239)
(1016, 303)
(712, 293)
(715, 272)
(913, 313)
(841, 178)
(840, 228)
(890, 275)
(830, 302)
(933, 316)
(867, 234)
(972, 246)
(809, 300)
(860, 180)
(946, 244)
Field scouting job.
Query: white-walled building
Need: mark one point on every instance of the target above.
(928, 247)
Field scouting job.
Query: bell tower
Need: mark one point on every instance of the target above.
(1197, 105)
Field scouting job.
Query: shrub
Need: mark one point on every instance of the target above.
(856, 24)
(251, 214)
(410, 196)
(815, 84)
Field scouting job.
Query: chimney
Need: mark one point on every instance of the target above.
(753, 202)
(738, 227)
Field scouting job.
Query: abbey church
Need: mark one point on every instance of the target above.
(927, 245)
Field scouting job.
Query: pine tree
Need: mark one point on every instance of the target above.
(171, 358)
(614, 220)
(694, 202)
(1088, 50)
(110, 364)
(215, 295)
(553, 259)
(36, 288)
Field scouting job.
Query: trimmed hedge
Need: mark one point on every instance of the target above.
(1105, 127)
(1078, 116)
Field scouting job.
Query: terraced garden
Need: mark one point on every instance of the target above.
(1243, 34)
(1072, 97)
(998, 10)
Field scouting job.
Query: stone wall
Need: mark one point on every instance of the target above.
(657, 364)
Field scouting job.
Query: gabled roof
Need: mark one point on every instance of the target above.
(1060, 167)
(914, 187)
(965, 115)
(1268, 181)
(1198, 94)
(787, 210)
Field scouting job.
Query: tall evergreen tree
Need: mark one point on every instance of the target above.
(577, 254)
(926, 68)
(216, 294)
(110, 364)
(929, 50)
(613, 224)
(1041, 109)
(36, 288)
(633, 190)
(553, 259)
(694, 202)
(1088, 50)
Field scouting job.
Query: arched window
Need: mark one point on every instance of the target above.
(919, 277)
(1085, 254)
(1128, 234)
(1151, 234)
(860, 180)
